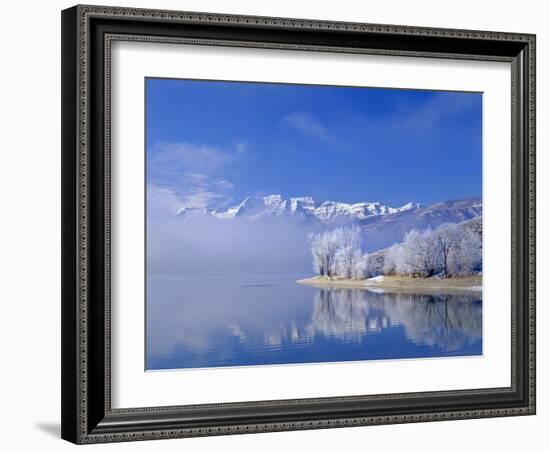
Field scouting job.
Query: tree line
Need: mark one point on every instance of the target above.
(450, 250)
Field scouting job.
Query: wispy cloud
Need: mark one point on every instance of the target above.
(201, 197)
(189, 175)
(165, 201)
(199, 190)
(223, 184)
(410, 121)
(306, 123)
(441, 106)
(197, 177)
(162, 201)
(201, 180)
(191, 158)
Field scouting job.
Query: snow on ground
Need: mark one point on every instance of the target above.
(474, 288)
(377, 279)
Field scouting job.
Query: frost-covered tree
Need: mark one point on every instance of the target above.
(361, 267)
(466, 255)
(324, 247)
(450, 250)
(337, 252)
(348, 255)
(460, 249)
(318, 253)
(419, 255)
(391, 256)
(345, 259)
(446, 240)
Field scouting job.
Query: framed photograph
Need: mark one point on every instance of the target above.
(277, 224)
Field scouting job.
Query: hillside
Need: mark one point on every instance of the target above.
(384, 231)
(376, 259)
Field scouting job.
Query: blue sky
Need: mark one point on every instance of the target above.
(210, 144)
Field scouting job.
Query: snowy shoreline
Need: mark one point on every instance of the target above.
(470, 284)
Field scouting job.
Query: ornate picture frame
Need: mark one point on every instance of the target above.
(88, 33)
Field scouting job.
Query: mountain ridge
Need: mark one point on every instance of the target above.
(275, 205)
(381, 225)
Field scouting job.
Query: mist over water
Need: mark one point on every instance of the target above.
(217, 321)
(201, 244)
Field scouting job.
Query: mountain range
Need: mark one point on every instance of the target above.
(381, 225)
(257, 208)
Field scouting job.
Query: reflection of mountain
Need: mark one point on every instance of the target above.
(447, 322)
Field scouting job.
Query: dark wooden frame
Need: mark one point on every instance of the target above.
(87, 32)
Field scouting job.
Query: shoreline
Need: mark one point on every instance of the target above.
(467, 285)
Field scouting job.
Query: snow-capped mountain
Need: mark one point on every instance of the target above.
(385, 230)
(257, 208)
(381, 225)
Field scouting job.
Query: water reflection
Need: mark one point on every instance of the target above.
(278, 321)
(445, 321)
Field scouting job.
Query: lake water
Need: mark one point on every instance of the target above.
(202, 321)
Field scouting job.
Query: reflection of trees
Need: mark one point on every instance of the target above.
(445, 321)
(339, 312)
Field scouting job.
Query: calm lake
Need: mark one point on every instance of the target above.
(203, 321)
